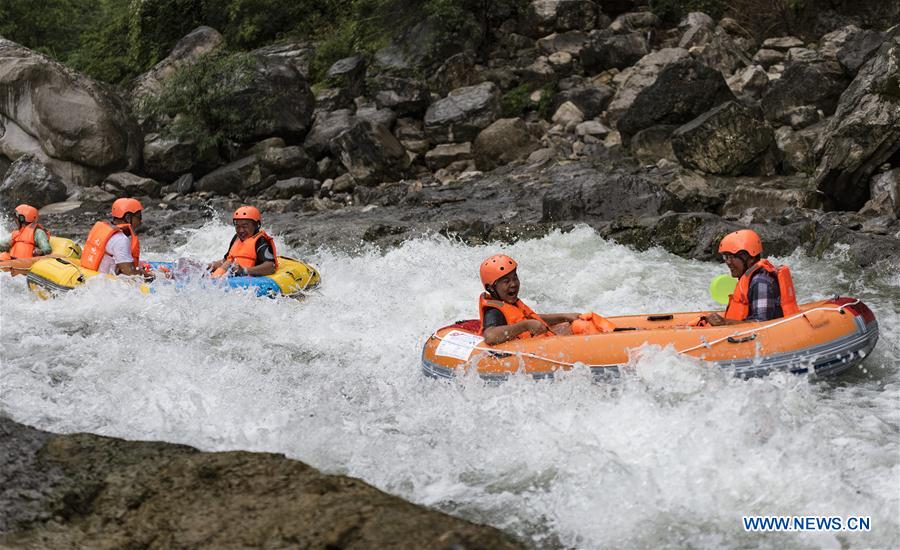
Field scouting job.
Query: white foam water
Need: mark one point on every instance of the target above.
(672, 455)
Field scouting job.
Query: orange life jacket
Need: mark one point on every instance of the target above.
(243, 252)
(512, 313)
(95, 244)
(23, 241)
(739, 302)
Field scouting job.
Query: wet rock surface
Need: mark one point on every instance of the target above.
(82, 490)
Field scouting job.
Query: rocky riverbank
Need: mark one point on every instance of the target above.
(82, 490)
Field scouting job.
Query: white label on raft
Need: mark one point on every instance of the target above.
(458, 344)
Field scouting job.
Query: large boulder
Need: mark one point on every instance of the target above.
(29, 181)
(634, 79)
(289, 112)
(590, 99)
(771, 196)
(850, 46)
(62, 117)
(615, 51)
(653, 143)
(326, 127)
(199, 41)
(446, 154)
(424, 45)
(572, 42)
(298, 54)
(167, 158)
(682, 91)
(288, 161)
(292, 187)
(864, 132)
(234, 177)
(404, 96)
(750, 82)
(798, 148)
(543, 17)
(725, 140)
(720, 52)
(502, 142)
(462, 114)
(817, 84)
(370, 153)
(885, 193)
(349, 74)
(589, 197)
(126, 184)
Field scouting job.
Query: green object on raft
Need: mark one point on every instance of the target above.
(721, 287)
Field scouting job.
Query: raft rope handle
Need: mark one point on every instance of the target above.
(705, 344)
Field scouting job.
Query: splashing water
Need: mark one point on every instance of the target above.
(673, 454)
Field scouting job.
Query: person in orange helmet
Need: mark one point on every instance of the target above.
(113, 247)
(251, 252)
(503, 315)
(29, 240)
(764, 292)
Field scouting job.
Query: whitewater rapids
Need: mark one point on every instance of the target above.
(674, 454)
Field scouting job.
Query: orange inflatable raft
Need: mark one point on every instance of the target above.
(826, 337)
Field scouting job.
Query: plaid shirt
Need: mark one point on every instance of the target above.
(763, 295)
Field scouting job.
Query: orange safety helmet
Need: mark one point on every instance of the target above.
(247, 213)
(123, 207)
(496, 267)
(744, 239)
(28, 212)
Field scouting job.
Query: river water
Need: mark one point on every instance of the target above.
(672, 455)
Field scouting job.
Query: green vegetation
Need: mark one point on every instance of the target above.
(210, 101)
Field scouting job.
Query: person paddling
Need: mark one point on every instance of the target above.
(251, 252)
(29, 240)
(503, 315)
(763, 291)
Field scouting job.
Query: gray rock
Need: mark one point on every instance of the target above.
(592, 128)
(349, 74)
(456, 72)
(802, 116)
(590, 99)
(289, 115)
(292, 187)
(858, 49)
(640, 76)
(326, 127)
(404, 96)
(682, 91)
(370, 153)
(885, 195)
(798, 148)
(424, 46)
(543, 17)
(199, 41)
(803, 55)
(719, 51)
(298, 54)
(446, 154)
(166, 159)
(371, 112)
(333, 99)
(288, 161)
(591, 198)
(62, 117)
(613, 52)
(782, 43)
(568, 115)
(696, 19)
(234, 177)
(131, 185)
(818, 84)
(750, 82)
(864, 132)
(771, 196)
(766, 58)
(653, 143)
(725, 140)
(28, 181)
(183, 185)
(635, 21)
(504, 141)
(571, 42)
(462, 114)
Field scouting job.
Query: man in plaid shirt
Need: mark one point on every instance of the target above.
(741, 252)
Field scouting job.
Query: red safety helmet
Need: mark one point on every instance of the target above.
(123, 207)
(744, 239)
(27, 212)
(496, 267)
(246, 213)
